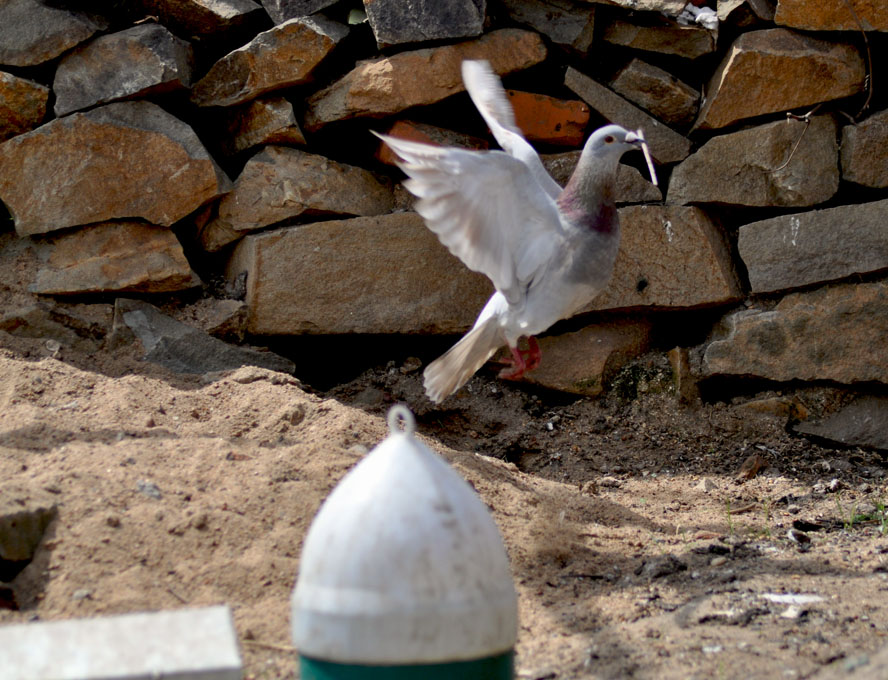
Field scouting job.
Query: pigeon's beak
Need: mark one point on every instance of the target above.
(635, 138)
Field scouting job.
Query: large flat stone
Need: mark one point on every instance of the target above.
(863, 422)
(202, 17)
(864, 151)
(379, 87)
(157, 169)
(138, 62)
(668, 7)
(114, 256)
(812, 247)
(279, 184)
(786, 164)
(582, 362)
(182, 348)
(669, 256)
(563, 22)
(667, 146)
(283, 56)
(775, 70)
(833, 333)
(284, 10)
(22, 105)
(658, 92)
(32, 32)
(386, 274)
(425, 134)
(671, 38)
(188, 644)
(815, 15)
(395, 22)
(267, 120)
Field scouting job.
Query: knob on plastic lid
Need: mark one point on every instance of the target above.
(403, 564)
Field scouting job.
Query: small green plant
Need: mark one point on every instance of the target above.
(882, 517)
(766, 507)
(730, 517)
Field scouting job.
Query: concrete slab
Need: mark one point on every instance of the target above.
(187, 644)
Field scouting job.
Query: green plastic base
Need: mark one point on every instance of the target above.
(499, 667)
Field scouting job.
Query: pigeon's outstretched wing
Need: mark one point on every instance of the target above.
(492, 102)
(487, 208)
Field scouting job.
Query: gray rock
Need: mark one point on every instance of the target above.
(632, 186)
(113, 256)
(395, 22)
(32, 32)
(138, 62)
(284, 10)
(667, 146)
(283, 56)
(22, 105)
(202, 17)
(786, 164)
(563, 22)
(658, 92)
(863, 151)
(779, 70)
(864, 422)
(279, 184)
(267, 120)
(673, 38)
(159, 170)
(669, 256)
(834, 333)
(386, 274)
(822, 245)
(668, 7)
(25, 513)
(184, 349)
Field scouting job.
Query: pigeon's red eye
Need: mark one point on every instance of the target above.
(610, 139)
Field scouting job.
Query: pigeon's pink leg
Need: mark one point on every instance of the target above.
(515, 366)
(533, 354)
(522, 360)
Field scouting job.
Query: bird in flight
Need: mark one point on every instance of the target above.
(548, 251)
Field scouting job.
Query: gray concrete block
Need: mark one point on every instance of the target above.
(187, 644)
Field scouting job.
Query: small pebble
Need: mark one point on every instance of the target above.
(81, 594)
(610, 482)
(150, 489)
(718, 561)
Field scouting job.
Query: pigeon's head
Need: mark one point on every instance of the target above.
(614, 139)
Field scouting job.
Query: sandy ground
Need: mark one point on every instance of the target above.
(637, 550)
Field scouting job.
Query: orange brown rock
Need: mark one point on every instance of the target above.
(546, 119)
(380, 87)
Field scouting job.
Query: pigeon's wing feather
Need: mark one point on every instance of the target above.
(486, 208)
(492, 102)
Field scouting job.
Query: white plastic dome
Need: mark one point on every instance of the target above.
(403, 564)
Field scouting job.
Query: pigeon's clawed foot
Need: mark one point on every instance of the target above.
(522, 360)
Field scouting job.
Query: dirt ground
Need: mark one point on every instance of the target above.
(640, 547)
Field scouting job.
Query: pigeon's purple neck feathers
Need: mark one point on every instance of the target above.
(588, 199)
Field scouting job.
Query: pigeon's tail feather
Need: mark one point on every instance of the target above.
(446, 374)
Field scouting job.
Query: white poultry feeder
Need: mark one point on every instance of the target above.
(404, 574)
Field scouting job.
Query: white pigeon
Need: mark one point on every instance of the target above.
(548, 251)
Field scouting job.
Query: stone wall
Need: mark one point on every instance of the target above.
(147, 145)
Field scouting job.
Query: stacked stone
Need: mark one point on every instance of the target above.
(121, 132)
